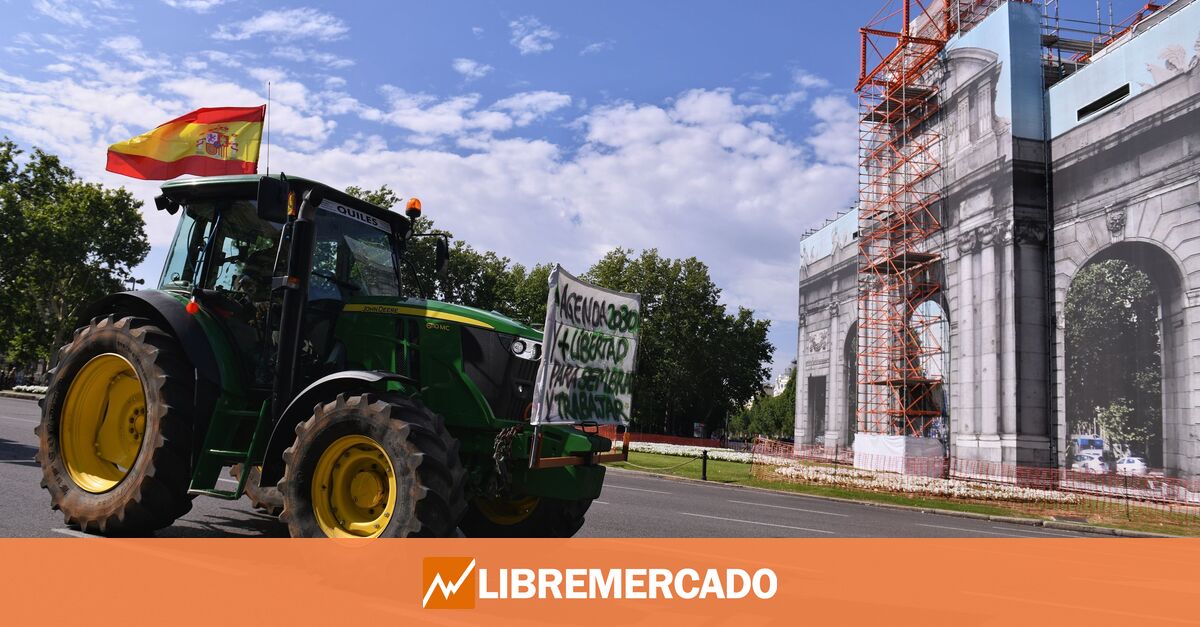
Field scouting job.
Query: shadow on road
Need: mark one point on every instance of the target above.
(17, 454)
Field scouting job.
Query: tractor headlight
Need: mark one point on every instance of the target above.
(526, 349)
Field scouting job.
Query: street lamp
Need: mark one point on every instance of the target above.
(133, 283)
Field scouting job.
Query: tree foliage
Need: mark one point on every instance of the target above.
(63, 244)
(1114, 353)
(696, 361)
(769, 415)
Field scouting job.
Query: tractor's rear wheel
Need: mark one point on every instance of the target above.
(528, 517)
(372, 466)
(269, 500)
(115, 434)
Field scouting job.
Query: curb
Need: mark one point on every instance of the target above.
(21, 395)
(1032, 522)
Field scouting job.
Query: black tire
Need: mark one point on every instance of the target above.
(549, 518)
(153, 492)
(269, 500)
(430, 478)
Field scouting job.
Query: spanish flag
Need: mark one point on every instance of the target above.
(207, 142)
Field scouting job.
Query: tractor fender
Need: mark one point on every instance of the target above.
(322, 390)
(168, 311)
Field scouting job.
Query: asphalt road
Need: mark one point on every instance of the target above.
(632, 505)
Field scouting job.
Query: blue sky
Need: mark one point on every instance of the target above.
(546, 131)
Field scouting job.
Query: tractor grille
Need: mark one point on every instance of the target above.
(504, 379)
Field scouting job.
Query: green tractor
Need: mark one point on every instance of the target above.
(279, 347)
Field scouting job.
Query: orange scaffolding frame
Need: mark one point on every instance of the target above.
(899, 196)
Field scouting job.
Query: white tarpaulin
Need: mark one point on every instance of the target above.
(896, 453)
(588, 354)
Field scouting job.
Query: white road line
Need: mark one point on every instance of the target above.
(794, 509)
(625, 487)
(17, 460)
(224, 480)
(990, 533)
(602, 502)
(755, 522)
(24, 420)
(73, 533)
(1044, 533)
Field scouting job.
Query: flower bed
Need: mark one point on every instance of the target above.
(916, 484)
(680, 450)
(31, 389)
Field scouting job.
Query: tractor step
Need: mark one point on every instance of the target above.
(223, 448)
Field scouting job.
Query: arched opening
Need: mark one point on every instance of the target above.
(850, 379)
(1122, 357)
(931, 327)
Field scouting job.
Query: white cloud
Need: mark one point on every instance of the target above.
(62, 11)
(597, 47)
(530, 36)
(806, 80)
(526, 108)
(286, 25)
(198, 6)
(836, 136)
(477, 30)
(130, 49)
(61, 68)
(307, 55)
(470, 68)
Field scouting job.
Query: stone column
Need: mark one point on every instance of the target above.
(1008, 332)
(989, 375)
(964, 378)
(800, 429)
(833, 388)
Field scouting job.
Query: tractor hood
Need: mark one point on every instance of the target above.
(439, 310)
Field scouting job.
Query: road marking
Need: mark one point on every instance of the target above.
(602, 502)
(17, 460)
(24, 420)
(1044, 533)
(624, 487)
(794, 509)
(73, 533)
(224, 480)
(990, 533)
(755, 522)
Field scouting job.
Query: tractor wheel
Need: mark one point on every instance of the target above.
(529, 517)
(115, 434)
(372, 466)
(269, 500)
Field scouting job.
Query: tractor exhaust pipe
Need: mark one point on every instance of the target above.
(295, 294)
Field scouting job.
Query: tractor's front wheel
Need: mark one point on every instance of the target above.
(372, 466)
(528, 517)
(115, 434)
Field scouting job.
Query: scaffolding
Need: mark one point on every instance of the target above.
(899, 207)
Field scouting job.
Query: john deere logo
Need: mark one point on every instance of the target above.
(449, 583)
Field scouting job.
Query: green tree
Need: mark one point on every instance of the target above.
(696, 362)
(63, 244)
(1118, 425)
(1114, 350)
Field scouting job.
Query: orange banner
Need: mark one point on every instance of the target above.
(687, 582)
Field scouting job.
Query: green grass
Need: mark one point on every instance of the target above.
(738, 473)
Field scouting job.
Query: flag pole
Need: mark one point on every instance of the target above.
(268, 128)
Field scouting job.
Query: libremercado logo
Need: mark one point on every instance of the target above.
(455, 583)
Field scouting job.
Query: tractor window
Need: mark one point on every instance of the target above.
(351, 258)
(244, 252)
(182, 265)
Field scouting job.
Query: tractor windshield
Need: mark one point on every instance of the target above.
(243, 252)
(352, 256)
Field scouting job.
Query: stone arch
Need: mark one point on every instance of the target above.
(1165, 272)
(850, 384)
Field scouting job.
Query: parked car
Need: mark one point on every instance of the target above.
(1089, 463)
(1130, 465)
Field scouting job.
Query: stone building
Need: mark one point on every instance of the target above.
(1041, 177)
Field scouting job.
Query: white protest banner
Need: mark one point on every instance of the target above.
(588, 354)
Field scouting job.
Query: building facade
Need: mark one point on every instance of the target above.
(1042, 177)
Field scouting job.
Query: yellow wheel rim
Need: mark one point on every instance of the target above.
(103, 423)
(354, 488)
(507, 512)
